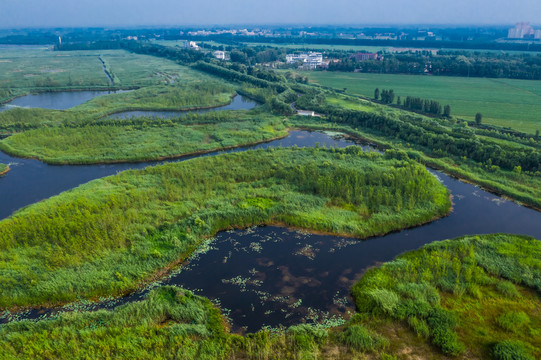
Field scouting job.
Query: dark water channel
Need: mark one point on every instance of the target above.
(239, 102)
(54, 100)
(267, 276)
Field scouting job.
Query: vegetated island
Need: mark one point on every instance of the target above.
(3, 169)
(111, 235)
(145, 138)
(466, 298)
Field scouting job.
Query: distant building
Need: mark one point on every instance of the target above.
(191, 45)
(306, 113)
(364, 56)
(523, 30)
(310, 61)
(219, 55)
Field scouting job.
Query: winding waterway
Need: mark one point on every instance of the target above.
(270, 276)
(54, 100)
(239, 102)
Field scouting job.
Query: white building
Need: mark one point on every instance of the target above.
(522, 30)
(219, 55)
(309, 61)
(191, 45)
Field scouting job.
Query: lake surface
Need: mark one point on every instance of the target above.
(267, 276)
(54, 100)
(239, 102)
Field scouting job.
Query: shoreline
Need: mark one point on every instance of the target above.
(5, 171)
(161, 158)
(3, 102)
(431, 165)
(184, 260)
(193, 108)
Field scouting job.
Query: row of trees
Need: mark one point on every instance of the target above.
(414, 103)
(387, 96)
(459, 141)
(426, 106)
(233, 75)
(469, 64)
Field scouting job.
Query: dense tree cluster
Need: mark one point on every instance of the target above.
(234, 75)
(387, 96)
(456, 63)
(425, 106)
(439, 140)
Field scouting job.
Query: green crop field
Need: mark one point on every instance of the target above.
(503, 102)
(324, 47)
(29, 68)
(41, 69)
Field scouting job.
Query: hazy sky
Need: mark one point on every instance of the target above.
(38, 13)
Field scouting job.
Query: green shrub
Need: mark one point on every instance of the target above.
(419, 326)
(359, 338)
(511, 350)
(387, 300)
(513, 321)
(422, 291)
(411, 307)
(508, 289)
(441, 324)
(474, 291)
(306, 337)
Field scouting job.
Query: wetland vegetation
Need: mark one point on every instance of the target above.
(472, 297)
(117, 231)
(3, 169)
(495, 159)
(466, 297)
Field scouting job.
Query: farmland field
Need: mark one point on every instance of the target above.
(27, 69)
(368, 48)
(503, 102)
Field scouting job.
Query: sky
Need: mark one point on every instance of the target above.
(84, 13)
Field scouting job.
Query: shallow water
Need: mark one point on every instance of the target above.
(54, 100)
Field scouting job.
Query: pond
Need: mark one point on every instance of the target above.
(61, 100)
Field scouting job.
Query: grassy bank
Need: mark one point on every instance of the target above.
(191, 95)
(500, 162)
(464, 298)
(503, 102)
(147, 139)
(3, 169)
(109, 235)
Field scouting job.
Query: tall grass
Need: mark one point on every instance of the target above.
(172, 323)
(449, 292)
(108, 235)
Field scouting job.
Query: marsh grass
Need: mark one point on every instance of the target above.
(431, 285)
(107, 236)
(173, 323)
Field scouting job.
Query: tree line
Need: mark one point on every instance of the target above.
(416, 104)
(457, 63)
(439, 140)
